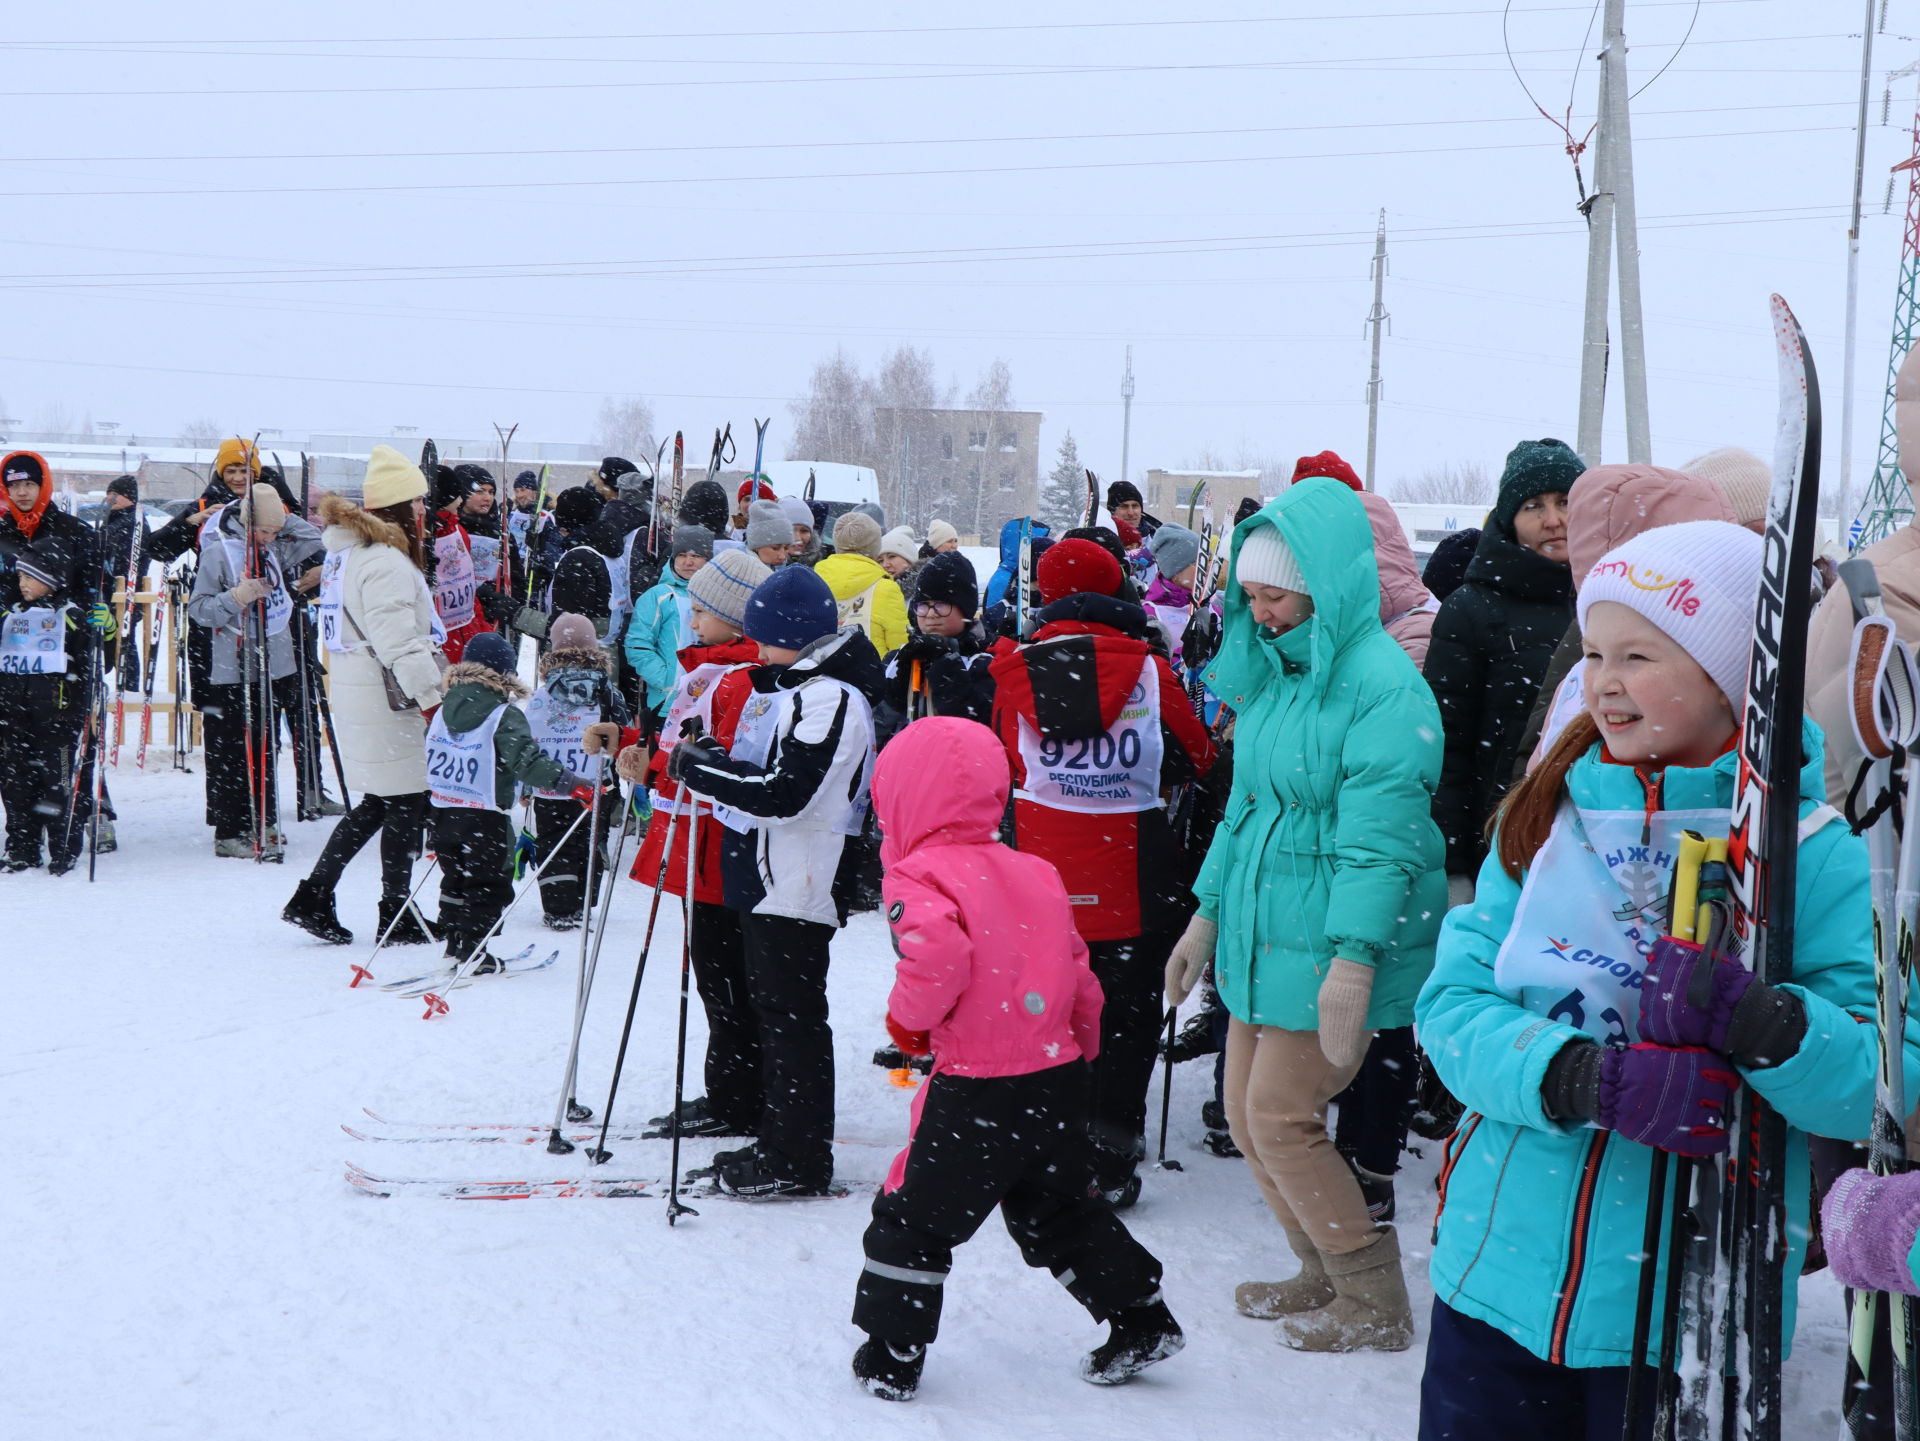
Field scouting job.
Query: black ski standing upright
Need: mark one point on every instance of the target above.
(1762, 849)
(1093, 499)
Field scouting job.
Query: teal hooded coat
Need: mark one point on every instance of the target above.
(1328, 846)
(1542, 1222)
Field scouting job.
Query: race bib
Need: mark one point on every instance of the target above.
(486, 558)
(559, 730)
(1594, 903)
(34, 642)
(453, 580)
(460, 767)
(1114, 771)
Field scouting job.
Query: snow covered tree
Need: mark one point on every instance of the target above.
(203, 433)
(1063, 496)
(624, 427)
(835, 421)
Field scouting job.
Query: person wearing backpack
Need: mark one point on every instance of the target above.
(867, 596)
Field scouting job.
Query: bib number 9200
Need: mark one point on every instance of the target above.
(1093, 753)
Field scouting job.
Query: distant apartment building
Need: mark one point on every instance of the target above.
(1169, 492)
(974, 469)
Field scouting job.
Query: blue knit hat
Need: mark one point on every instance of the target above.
(791, 609)
(490, 650)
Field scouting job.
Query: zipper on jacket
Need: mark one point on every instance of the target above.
(1577, 1250)
(1455, 1148)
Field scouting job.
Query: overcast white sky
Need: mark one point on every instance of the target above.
(444, 215)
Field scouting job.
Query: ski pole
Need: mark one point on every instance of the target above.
(436, 1004)
(364, 971)
(1166, 1093)
(676, 1208)
(599, 1154)
(567, 1107)
(575, 1111)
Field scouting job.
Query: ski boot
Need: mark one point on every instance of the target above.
(694, 1118)
(407, 931)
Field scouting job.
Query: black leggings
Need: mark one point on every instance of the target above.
(398, 820)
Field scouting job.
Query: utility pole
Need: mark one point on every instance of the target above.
(1849, 495)
(1626, 228)
(1377, 322)
(1612, 225)
(1593, 342)
(1126, 414)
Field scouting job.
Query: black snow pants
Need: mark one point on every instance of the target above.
(232, 800)
(735, 1087)
(1132, 974)
(1375, 1110)
(1018, 1142)
(786, 962)
(475, 849)
(41, 719)
(563, 884)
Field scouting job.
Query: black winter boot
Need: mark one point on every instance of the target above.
(889, 1373)
(311, 909)
(407, 931)
(1137, 1337)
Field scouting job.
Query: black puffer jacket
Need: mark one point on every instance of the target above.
(1491, 644)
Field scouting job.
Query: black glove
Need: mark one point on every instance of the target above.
(698, 750)
(926, 649)
(1201, 639)
(498, 606)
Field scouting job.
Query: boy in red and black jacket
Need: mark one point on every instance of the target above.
(1098, 731)
(716, 678)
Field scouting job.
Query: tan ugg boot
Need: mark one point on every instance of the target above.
(1370, 1310)
(1308, 1291)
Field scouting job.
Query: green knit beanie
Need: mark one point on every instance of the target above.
(1534, 467)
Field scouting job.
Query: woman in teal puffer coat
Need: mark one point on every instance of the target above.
(1321, 893)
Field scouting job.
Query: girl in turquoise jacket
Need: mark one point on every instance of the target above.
(1321, 894)
(1546, 1001)
(662, 622)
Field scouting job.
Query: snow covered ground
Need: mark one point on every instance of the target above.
(185, 1259)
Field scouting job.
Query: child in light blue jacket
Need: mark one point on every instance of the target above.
(662, 622)
(1574, 1051)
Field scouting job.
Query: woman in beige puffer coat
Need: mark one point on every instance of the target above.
(376, 612)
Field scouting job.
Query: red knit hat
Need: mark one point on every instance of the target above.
(1330, 465)
(1072, 567)
(1129, 534)
(766, 491)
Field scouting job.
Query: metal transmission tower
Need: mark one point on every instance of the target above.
(1889, 497)
(1377, 322)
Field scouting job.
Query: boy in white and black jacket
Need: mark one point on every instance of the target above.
(791, 792)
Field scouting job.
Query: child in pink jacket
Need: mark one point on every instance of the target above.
(993, 981)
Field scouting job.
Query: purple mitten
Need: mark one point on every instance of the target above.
(1869, 1223)
(1687, 998)
(1673, 1098)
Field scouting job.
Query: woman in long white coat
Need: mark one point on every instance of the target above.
(376, 615)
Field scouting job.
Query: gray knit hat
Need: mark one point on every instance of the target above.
(1174, 548)
(857, 534)
(796, 512)
(692, 539)
(725, 585)
(767, 524)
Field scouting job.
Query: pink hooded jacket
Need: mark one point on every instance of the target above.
(1407, 607)
(991, 963)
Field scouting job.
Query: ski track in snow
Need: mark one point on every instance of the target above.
(187, 1260)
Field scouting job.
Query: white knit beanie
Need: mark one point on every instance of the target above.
(1743, 477)
(939, 533)
(1263, 557)
(1697, 581)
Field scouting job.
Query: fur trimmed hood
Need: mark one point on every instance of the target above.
(468, 672)
(575, 657)
(364, 527)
